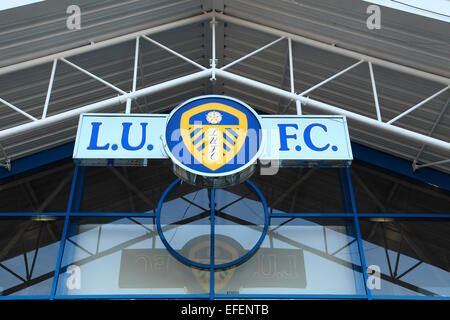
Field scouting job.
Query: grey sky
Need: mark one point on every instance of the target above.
(7, 4)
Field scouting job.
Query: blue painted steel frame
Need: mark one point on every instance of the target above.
(212, 257)
(400, 166)
(74, 206)
(360, 152)
(350, 206)
(202, 265)
(76, 194)
(263, 233)
(38, 160)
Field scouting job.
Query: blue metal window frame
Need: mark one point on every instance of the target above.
(360, 152)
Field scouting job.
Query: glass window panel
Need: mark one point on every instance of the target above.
(299, 256)
(412, 256)
(29, 249)
(302, 190)
(44, 189)
(239, 222)
(379, 190)
(185, 221)
(109, 256)
(125, 189)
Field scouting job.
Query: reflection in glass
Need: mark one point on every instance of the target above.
(123, 256)
(184, 218)
(378, 190)
(299, 256)
(239, 222)
(413, 256)
(28, 252)
(300, 190)
(45, 190)
(130, 189)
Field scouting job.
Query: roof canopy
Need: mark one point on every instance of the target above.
(315, 56)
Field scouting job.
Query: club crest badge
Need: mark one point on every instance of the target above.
(215, 133)
(213, 136)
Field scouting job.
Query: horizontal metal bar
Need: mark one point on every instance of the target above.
(134, 296)
(410, 298)
(306, 215)
(25, 297)
(334, 49)
(272, 215)
(103, 104)
(113, 214)
(79, 214)
(225, 296)
(290, 296)
(18, 110)
(327, 108)
(31, 214)
(404, 215)
(104, 44)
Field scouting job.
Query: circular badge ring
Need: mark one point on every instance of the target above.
(204, 265)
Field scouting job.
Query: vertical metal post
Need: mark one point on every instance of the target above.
(212, 244)
(136, 60)
(49, 90)
(350, 206)
(291, 74)
(74, 204)
(135, 69)
(374, 89)
(213, 62)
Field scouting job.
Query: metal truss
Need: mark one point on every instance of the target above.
(301, 99)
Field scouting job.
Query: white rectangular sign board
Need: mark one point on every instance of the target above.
(308, 140)
(131, 139)
(118, 139)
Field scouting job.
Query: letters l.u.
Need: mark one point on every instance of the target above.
(125, 140)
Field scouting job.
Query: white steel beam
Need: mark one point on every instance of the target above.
(298, 105)
(133, 89)
(49, 90)
(418, 105)
(102, 104)
(136, 60)
(213, 62)
(331, 48)
(105, 43)
(17, 109)
(331, 78)
(92, 76)
(374, 90)
(443, 111)
(327, 108)
(418, 166)
(251, 54)
(173, 52)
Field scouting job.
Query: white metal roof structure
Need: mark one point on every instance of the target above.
(286, 56)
